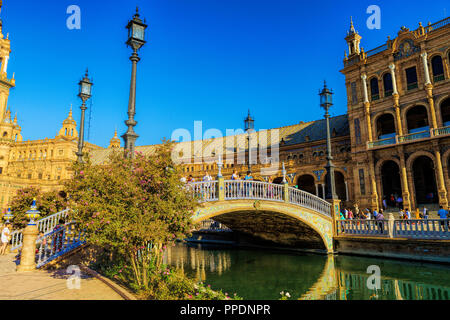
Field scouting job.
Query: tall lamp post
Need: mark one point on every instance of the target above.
(136, 39)
(249, 128)
(85, 93)
(326, 101)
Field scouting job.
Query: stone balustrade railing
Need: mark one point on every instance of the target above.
(426, 134)
(433, 229)
(222, 190)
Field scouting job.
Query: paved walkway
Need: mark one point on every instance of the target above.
(48, 285)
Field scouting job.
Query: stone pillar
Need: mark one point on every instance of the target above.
(323, 191)
(28, 255)
(367, 108)
(394, 79)
(221, 188)
(346, 190)
(429, 89)
(425, 67)
(391, 220)
(286, 192)
(398, 117)
(335, 214)
(441, 182)
(446, 67)
(374, 193)
(317, 190)
(404, 181)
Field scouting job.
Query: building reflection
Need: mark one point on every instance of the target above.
(197, 260)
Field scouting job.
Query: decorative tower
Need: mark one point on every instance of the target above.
(115, 141)
(69, 128)
(9, 130)
(353, 40)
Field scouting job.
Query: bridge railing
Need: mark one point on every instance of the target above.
(257, 190)
(206, 191)
(58, 242)
(435, 229)
(310, 201)
(363, 227)
(44, 225)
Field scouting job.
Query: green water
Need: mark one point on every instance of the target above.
(260, 274)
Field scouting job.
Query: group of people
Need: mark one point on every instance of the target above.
(207, 177)
(366, 214)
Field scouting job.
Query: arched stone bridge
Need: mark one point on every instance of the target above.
(271, 212)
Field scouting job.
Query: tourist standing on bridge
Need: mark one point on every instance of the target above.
(5, 238)
(380, 218)
(443, 215)
(425, 213)
(248, 185)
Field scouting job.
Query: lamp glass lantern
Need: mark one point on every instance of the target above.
(136, 32)
(326, 97)
(249, 123)
(85, 87)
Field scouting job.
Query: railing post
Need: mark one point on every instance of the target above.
(28, 255)
(286, 192)
(391, 224)
(221, 188)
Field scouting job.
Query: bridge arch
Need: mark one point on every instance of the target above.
(319, 224)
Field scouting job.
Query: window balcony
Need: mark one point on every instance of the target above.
(439, 77)
(410, 137)
(412, 86)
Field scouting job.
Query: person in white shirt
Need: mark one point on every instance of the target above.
(5, 238)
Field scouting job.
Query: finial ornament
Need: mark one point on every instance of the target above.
(284, 173)
(219, 165)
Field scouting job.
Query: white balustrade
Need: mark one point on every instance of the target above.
(363, 227)
(205, 191)
(254, 190)
(437, 229)
(310, 201)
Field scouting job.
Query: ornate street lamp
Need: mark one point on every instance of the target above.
(326, 101)
(249, 123)
(8, 216)
(85, 92)
(33, 213)
(136, 39)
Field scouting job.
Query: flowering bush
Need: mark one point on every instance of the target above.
(133, 206)
(47, 203)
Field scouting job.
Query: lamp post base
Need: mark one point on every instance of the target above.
(28, 256)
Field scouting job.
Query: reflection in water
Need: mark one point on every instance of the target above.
(263, 274)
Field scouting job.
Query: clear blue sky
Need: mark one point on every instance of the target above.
(208, 60)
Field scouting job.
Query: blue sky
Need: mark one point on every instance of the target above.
(208, 60)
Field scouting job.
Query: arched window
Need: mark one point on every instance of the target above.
(66, 132)
(438, 68)
(445, 112)
(374, 90)
(417, 119)
(72, 133)
(387, 84)
(385, 126)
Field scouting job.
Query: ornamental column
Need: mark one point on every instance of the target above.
(446, 67)
(374, 193)
(404, 181)
(396, 96)
(429, 89)
(440, 174)
(425, 68)
(367, 107)
(317, 190)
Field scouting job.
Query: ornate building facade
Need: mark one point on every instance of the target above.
(394, 139)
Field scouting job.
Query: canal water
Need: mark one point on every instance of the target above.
(262, 274)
